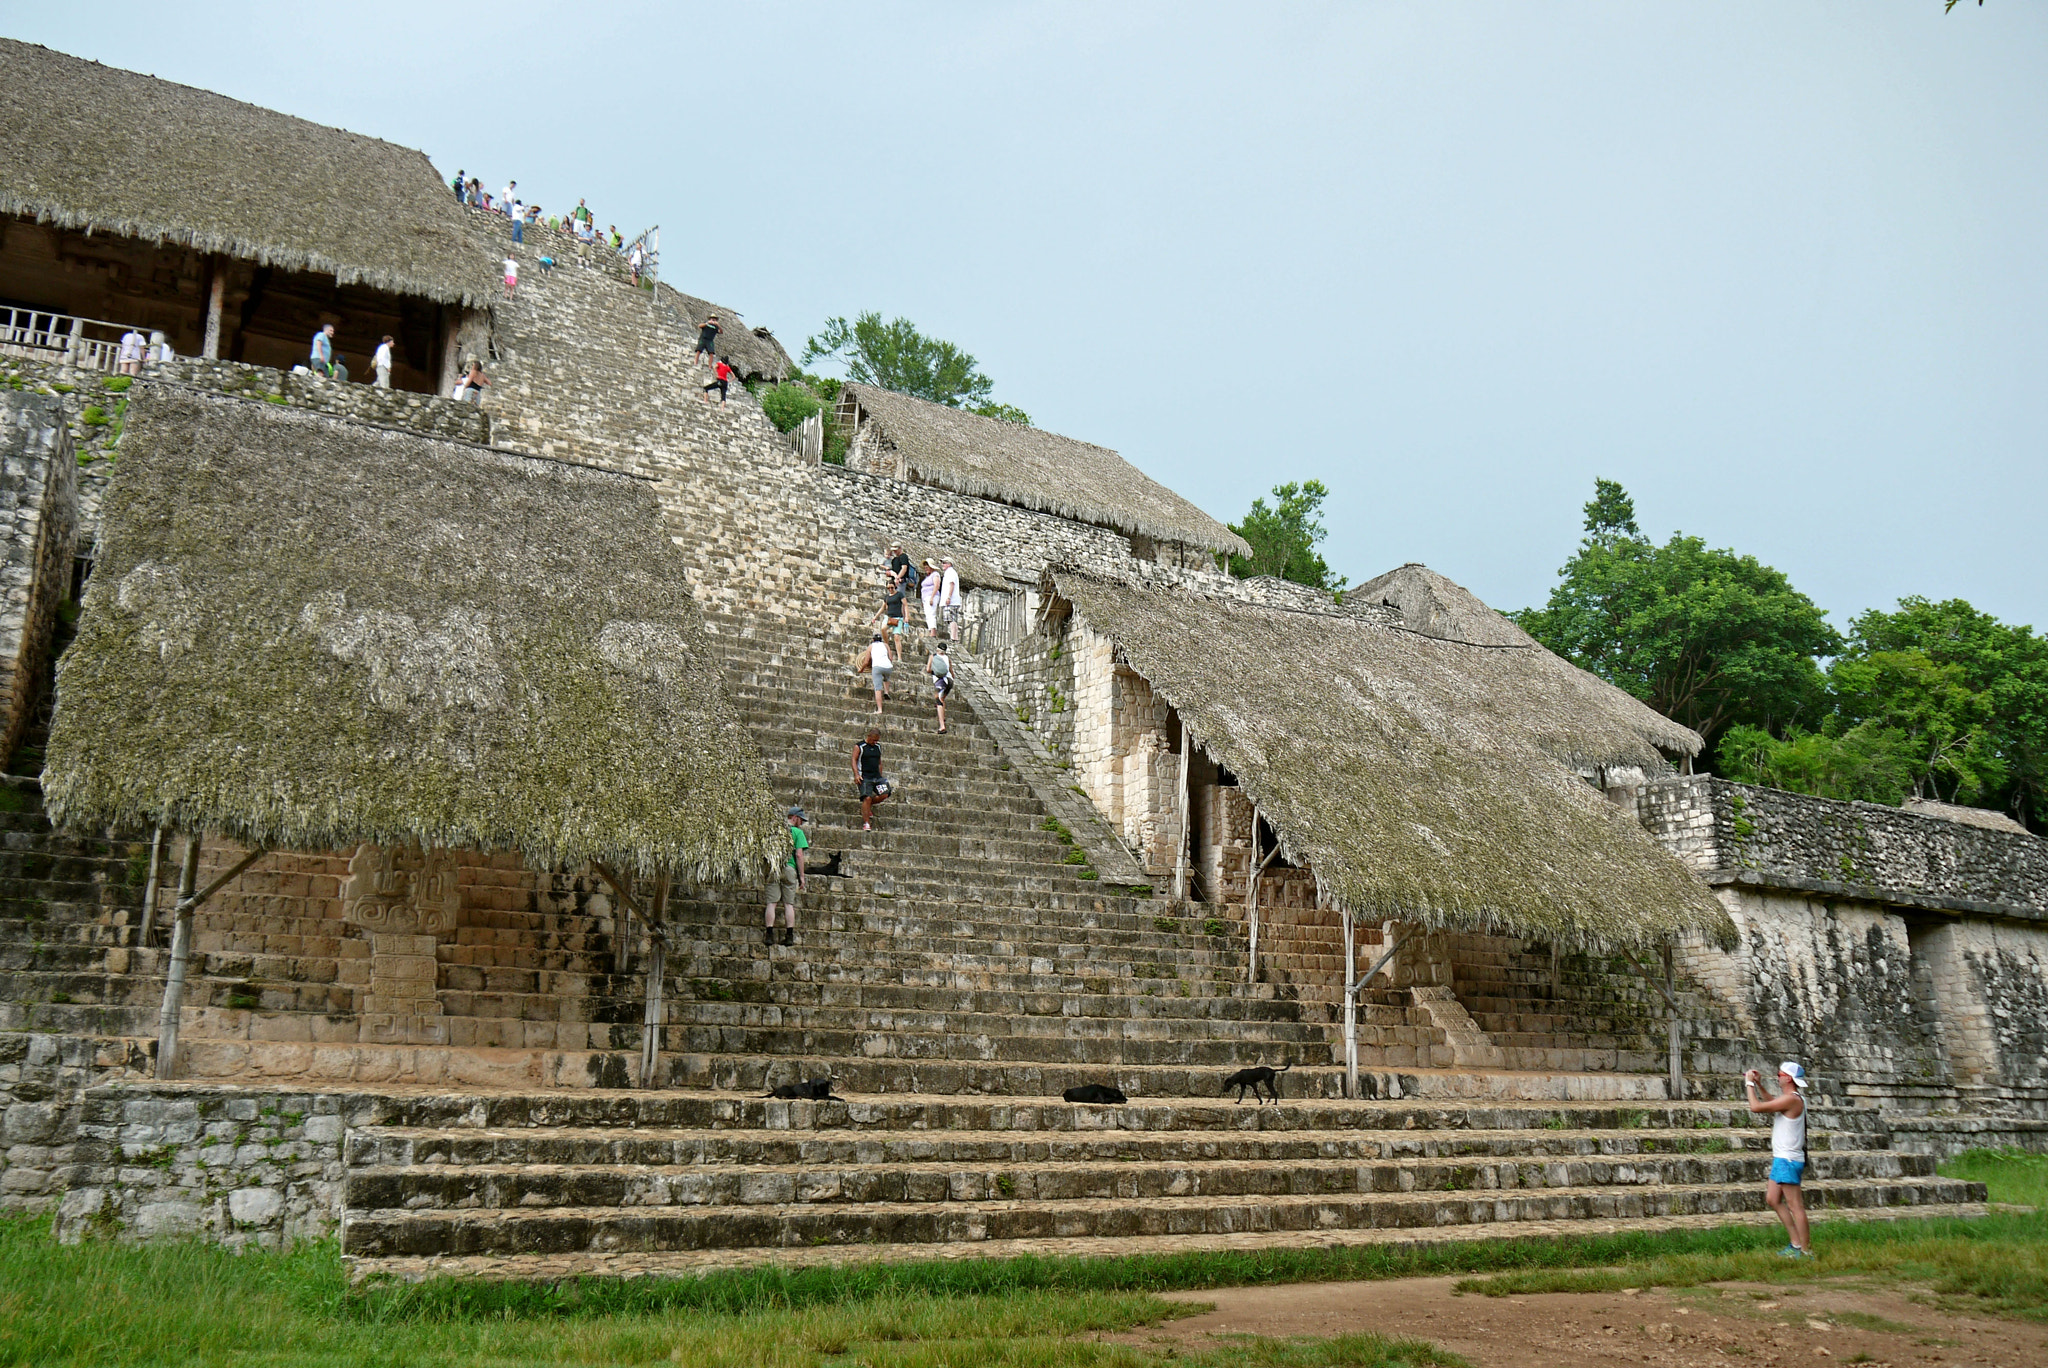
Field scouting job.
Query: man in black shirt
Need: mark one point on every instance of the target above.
(867, 773)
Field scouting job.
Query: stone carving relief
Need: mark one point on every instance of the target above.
(401, 889)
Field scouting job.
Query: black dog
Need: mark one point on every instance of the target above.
(829, 869)
(816, 1090)
(1252, 1078)
(1100, 1093)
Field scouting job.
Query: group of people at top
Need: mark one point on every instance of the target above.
(938, 589)
(580, 222)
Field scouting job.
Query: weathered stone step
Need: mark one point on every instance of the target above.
(401, 1147)
(386, 1233)
(537, 1268)
(479, 1187)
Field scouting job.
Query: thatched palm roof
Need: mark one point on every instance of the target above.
(1437, 607)
(1011, 462)
(308, 632)
(94, 147)
(1424, 780)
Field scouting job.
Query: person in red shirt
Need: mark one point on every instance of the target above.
(721, 374)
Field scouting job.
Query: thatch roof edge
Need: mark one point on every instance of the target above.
(262, 253)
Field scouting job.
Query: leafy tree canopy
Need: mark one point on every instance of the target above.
(1707, 637)
(1284, 536)
(1935, 700)
(896, 356)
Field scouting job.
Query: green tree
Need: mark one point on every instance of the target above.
(1284, 536)
(1707, 637)
(896, 356)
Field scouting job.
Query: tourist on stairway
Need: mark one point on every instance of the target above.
(949, 598)
(511, 275)
(880, 663)
(789, 878)
(133, 344)
(380, 362)
(940, 667)
(867, 774)
(707, 340)
(721, 376)
(928, 590)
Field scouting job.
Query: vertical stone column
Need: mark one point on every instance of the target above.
(407, 903)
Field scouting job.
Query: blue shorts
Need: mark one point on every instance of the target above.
(1786, 1172)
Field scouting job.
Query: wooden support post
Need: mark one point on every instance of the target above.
(657, 969)
(1258, 870)
(1350, 995)
(216, 296)
(1675, 1085)
(181, 955)
(1677, 1081)
(1180, 858)
(156, 868)
(181, 950)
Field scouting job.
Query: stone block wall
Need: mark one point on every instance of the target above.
(1772, 838)
(39, 505)
(242, 1167)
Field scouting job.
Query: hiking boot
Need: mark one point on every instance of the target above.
(789, 935)
(768, 935)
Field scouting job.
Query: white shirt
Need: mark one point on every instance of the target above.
(132, 343)
(511, 268)
(507, 197)
(1788, 1136)
(878, 655)
(381, 360)
(949, 589)
(929, 588)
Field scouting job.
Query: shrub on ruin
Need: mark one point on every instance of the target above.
(789, 405)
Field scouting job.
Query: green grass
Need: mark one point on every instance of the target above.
(192, 1303)
(1998, 1264)
(2011, 1175)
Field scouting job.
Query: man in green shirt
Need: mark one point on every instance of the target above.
(788, 879)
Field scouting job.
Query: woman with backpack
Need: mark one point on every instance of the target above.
(940, 667)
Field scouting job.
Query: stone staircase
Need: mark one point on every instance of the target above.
(539, 1186)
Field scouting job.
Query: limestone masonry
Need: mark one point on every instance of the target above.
(1513, 951)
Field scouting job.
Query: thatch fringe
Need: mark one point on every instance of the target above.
(307, 632)
(1424, 780)
(985, 458)
(101, 150)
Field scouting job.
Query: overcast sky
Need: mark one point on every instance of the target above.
(1777, 267)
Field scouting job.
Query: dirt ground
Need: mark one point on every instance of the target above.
(1729, 1323)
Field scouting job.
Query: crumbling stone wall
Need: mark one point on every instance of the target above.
(245, 1168)
(1902, 956)
(39, 504)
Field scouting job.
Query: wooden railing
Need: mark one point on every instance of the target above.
(90, 343)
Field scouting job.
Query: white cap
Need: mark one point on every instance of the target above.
(1794, 1072)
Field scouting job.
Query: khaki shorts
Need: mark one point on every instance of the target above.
(783, 879)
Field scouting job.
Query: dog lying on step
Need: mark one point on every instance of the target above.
(1252, 1078)
(1099, 1093)
(829, 869)
(814, 1090)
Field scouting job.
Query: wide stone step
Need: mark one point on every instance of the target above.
(527, 1185)
(620, 1230)
(537, 1268)
(404, 1147)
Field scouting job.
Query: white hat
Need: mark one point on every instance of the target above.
(1792, 1071)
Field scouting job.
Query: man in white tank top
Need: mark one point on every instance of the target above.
(1788, 1151)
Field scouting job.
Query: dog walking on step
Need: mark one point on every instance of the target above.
(1252, 1078)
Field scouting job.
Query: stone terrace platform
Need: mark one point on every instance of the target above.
(534, 1184)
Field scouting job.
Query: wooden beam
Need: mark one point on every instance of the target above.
(181, 950)
(1180, 858)
(156, 867)
(216, 296)
(657, 968)
(622, 925)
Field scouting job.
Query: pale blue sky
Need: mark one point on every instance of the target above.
(1775, 266)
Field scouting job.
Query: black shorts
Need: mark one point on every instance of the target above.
(942, 684)
(874, 788)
